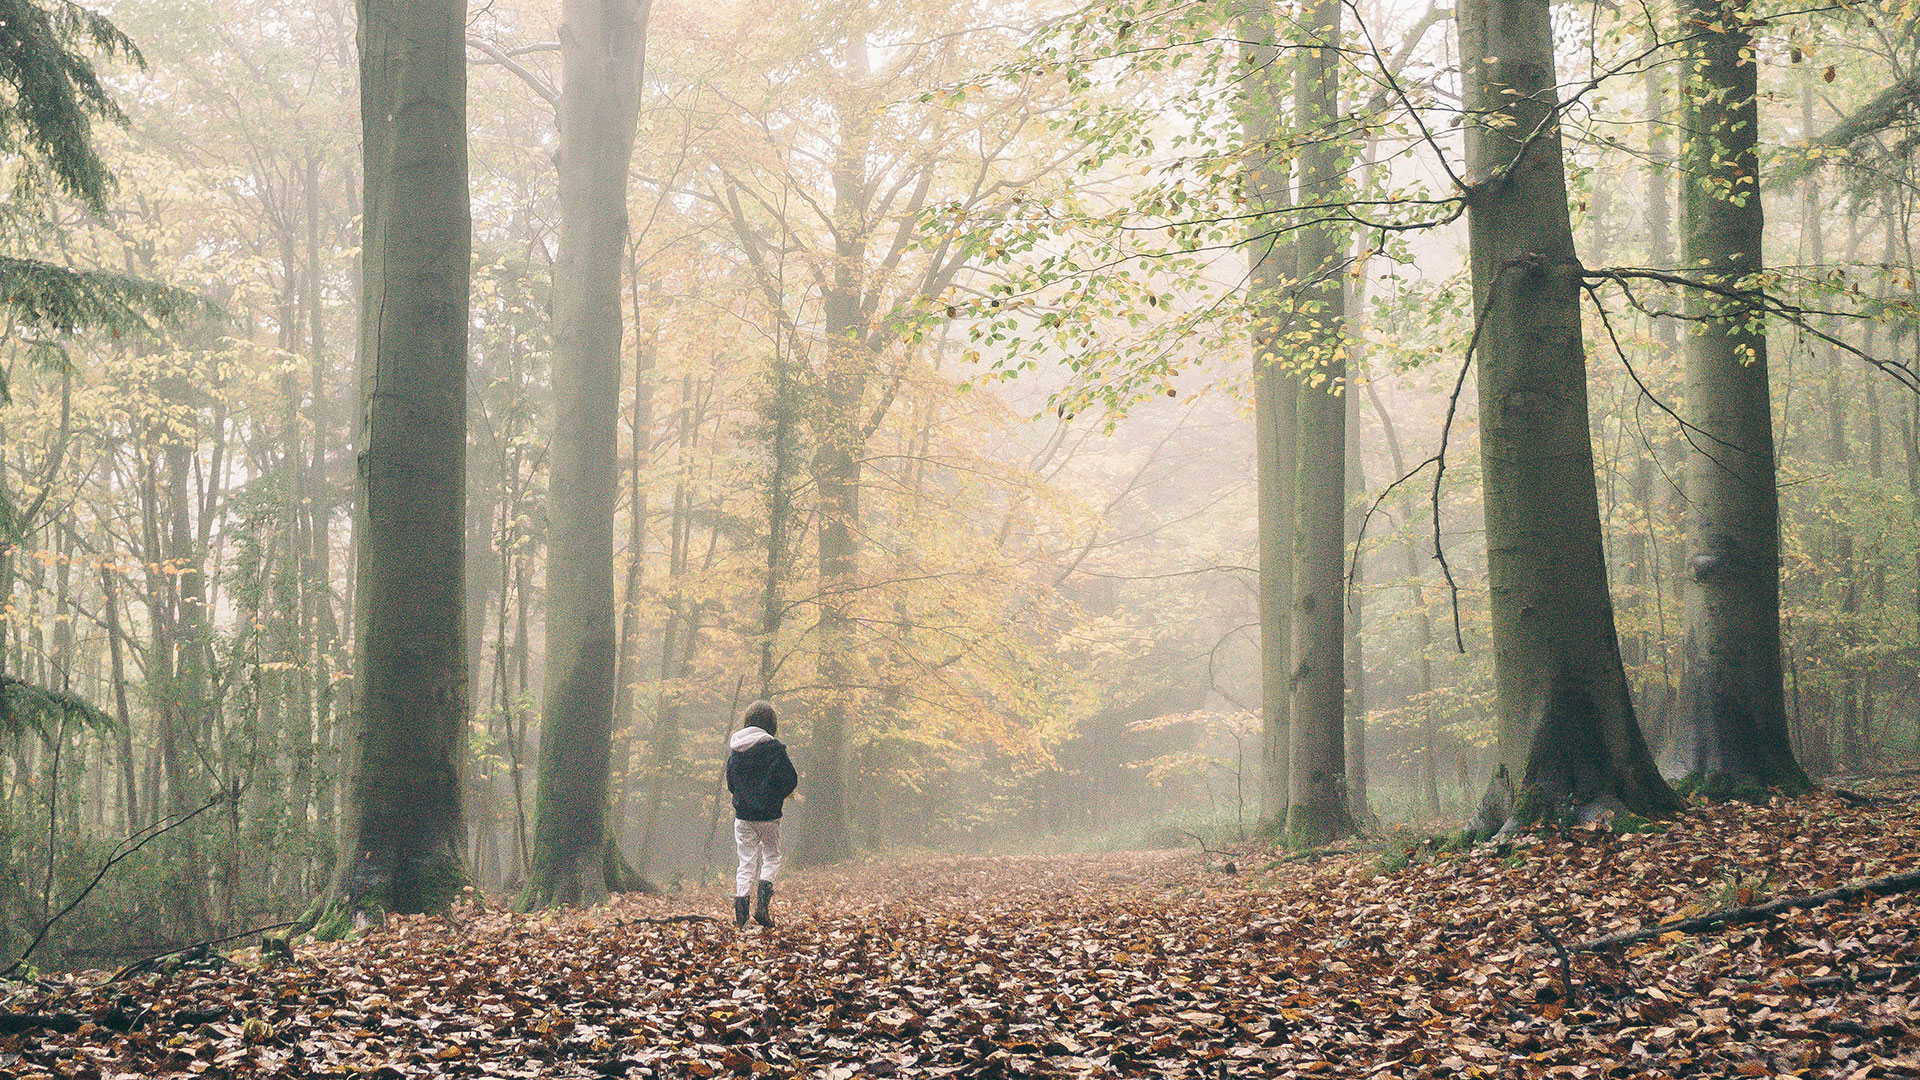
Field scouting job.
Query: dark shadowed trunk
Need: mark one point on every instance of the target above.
(401, 839)
(602, 44)
(1735, 731)
(1567, 732)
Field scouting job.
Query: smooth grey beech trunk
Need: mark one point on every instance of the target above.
(401, 826)
(1567, 732)
(602, 55)
(1734, 733)
(1318, 808)
(1270, 267)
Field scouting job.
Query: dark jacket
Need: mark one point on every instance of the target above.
(760, 775)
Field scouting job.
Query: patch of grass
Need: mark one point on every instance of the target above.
(1738, 889)
(1722, 788)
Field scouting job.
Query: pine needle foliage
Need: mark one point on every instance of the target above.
(26, 707)
(53, 94)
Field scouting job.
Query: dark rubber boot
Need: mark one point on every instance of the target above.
(762, 901)
(740, 912)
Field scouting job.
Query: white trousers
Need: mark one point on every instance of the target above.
(755, 841)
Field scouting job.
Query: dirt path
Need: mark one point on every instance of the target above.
(1148, 964)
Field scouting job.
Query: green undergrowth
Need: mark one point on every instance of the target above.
(1721, 788)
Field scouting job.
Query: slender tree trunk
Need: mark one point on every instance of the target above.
(1270, 259)
(1659, 718)
(401, 840)
(778, 409)
(640, 438)
(325, 627)
(676, 635)
(602, 49)
(1318, 807)
(1566, 726)
(1355, 593)
(123, 738)
(1815, 749)
(1735, 731)
(1429, 771)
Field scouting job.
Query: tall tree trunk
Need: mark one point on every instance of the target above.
(778, 410)
(324, 626)
(838, 461)
(401, 839)
(123, 738)
(1815, 747)
(678, 632)
(1659, 219)
(1735, 732)
(1270, 258)
(602, 50)
(1566, 726)
(640, 437)
(1318, 807)
(1355, 656)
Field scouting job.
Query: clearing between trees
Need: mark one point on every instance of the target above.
(1406, 960)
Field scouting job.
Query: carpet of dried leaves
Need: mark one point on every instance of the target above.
(1160, 964)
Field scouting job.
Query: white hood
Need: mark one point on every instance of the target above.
(747, 738)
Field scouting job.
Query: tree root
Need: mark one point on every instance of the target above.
(1885, 886)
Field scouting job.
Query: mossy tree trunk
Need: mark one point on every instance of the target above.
(602, 50)
(401, 834)
(1734, 734)
(1567, 731)
(1318, 808)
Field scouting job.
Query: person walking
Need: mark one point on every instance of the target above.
(761, 776)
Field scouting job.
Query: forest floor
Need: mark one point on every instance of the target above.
(1366, 962)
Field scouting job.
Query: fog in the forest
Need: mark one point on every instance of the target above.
(921, 374)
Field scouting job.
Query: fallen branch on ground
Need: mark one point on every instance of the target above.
(142, 964)
(17, 1023)
(1566, 960)
(1886, 886)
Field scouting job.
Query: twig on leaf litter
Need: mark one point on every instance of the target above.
(1884, 886)
(1566, 960)
(142, 964)
(1204, 849)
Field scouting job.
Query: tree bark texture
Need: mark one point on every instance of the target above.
(1318, 808)
(1355, 594)
(602, 50)
(401, 829)
(1567, 731)
(1735, 731)
(840, 434)
(1270, 260)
